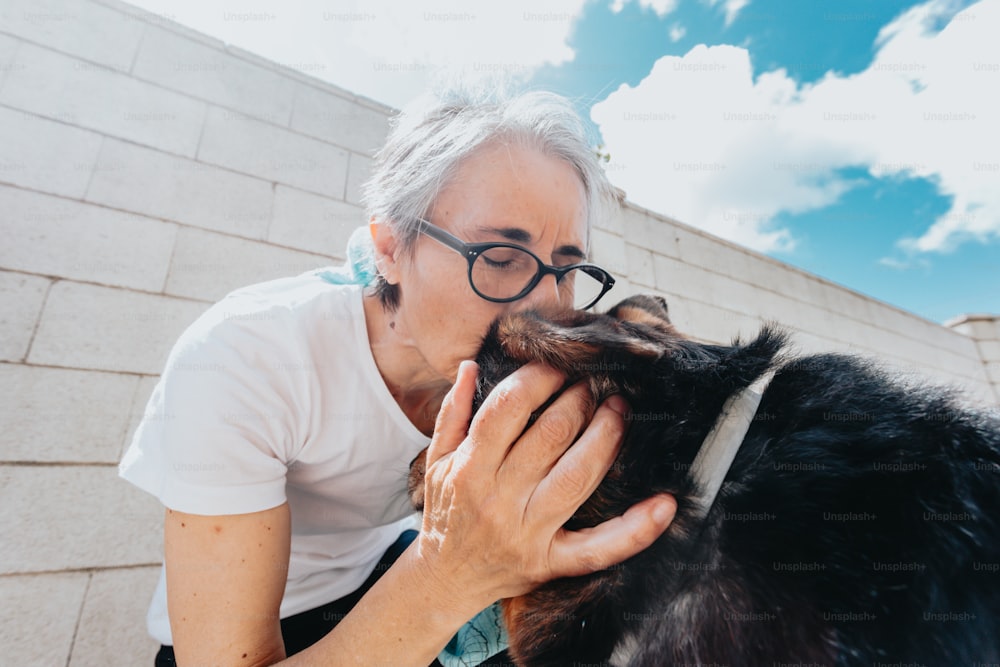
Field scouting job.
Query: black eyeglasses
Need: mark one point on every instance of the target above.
(504, 272)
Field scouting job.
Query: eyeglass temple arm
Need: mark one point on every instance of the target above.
(443, 237)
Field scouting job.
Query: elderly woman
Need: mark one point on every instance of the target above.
(290, 412)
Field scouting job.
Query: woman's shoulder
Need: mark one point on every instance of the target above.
(285, 309)
(302, 297)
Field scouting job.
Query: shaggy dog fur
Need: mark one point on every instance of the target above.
(858, 525)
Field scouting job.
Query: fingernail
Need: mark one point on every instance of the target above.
(619, 405)
(663, 511)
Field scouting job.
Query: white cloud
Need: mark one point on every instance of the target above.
(385, 49)
(664, 7)
(702, 140)
(904, 264)
(661, 7)
(677, 32)
(731, 7)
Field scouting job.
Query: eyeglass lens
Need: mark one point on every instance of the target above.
(504, 273)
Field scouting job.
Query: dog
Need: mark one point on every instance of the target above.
(858, 524)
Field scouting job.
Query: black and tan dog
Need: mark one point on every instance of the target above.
(859, 523)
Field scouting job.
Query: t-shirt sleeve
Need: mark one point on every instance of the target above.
(220, 428)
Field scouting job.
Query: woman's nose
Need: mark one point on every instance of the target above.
(545, 296)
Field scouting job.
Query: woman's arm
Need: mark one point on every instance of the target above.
(225, 580)
(492, 528)
(493, 516)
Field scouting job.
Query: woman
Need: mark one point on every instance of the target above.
(293, 408)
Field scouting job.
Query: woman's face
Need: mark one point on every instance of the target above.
(504, 193)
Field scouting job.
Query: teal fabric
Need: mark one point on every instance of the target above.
(359, 269)
(482, 637)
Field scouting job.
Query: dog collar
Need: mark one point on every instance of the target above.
(712, 463)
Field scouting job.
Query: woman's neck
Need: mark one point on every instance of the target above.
(417, 388)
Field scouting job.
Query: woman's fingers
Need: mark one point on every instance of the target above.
(580, 469)
(575, 553)
(497, 495)
(456, 412)
(542, 445)
(502, 417)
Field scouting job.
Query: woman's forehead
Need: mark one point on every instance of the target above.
(518, 193)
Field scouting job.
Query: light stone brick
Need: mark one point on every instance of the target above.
(773, 276)
(674, 276)
(207, 73)
(59, 237)
(948, 360)
(38, 616)
(993, 373)
(715, 325)
(338, 120)
(54, 414)
(994, 320)
(608, 252)
(112, 630)
(75, 517)
(712, 254)
(893, 319)
(22, 297)
(154, 183)
(944, 337)
(45, 155)
(978, 328)
(815, 291)
(735, 295)
(640, 263)
(208, 266)
(650, 233)
(140, 401)
(683, 313)
(623, 288)
(706, 286)
(89, 31)
(843, 302)
(803, 315)
(79, 93)
(164, 19)
(103, 328)
(989, 350)
(358, 172)
(962, 326)
(272, 153)
(805, 343)
(313, 223)
(8, 47)
(984, 396)
(612, 219)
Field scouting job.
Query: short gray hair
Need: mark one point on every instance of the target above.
(431, 138)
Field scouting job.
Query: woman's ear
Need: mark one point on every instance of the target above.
(387, 250)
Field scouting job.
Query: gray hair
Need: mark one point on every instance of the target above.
(430, 140)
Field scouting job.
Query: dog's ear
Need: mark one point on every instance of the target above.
(570, 342)
(649, 309)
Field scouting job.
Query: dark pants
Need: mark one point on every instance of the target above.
(303, 630)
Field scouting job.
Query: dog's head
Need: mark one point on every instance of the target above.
(675, 386)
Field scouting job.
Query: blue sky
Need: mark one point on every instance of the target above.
(854, 239)
(855, 139)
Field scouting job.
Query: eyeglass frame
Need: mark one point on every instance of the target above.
(472, 251)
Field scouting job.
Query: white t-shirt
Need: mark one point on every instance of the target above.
(273, 395)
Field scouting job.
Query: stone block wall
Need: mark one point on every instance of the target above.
(145, 171)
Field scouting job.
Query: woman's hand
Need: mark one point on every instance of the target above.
(496, 499)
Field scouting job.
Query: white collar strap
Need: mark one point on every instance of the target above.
(712, 463)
